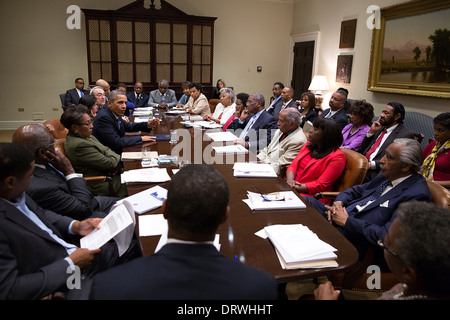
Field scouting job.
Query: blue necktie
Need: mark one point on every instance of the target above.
(378, 192)
(118, 122)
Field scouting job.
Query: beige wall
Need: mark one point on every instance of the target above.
(326, 17)
(40, 57)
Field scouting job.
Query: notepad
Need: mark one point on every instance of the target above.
(150, 175)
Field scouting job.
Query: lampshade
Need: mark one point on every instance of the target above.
(318, 84)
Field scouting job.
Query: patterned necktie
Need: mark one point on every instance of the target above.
(118, 122)
(375, 145)
(378, 192)
(247, 128)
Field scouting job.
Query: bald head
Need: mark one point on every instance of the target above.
(33, 137)
(104, 84)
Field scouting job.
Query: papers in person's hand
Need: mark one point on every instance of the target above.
(234, 148)
(118, 224)
(147, 200)
(139, 155)
(298, 247)
(257, 202)
(245, 169)
(152, 225)
(221, 136)
(151, 175)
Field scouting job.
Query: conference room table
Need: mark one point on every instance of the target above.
(237, 234)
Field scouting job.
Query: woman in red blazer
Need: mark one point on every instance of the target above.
(320, 162)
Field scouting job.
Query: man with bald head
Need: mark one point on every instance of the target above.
(287, 95)
(104, 84)
(55, 186)
(337, 110)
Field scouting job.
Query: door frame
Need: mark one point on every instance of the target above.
(303, 37)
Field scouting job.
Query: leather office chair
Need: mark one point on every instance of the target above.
(441, 195)
(354, 172)
(212, 104)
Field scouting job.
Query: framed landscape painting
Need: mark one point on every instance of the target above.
(410, 53)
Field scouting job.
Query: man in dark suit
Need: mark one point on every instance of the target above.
(382, 133)
(189, 266)
(337, 108)
(256, 124)
(287, 101)
(110, 128)
(74, 95)
(36, 253)
(55, 186)
(138, 97)
(364, 213)
(163, 97)
(275, 100)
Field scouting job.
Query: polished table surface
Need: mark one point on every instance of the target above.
(237, 234)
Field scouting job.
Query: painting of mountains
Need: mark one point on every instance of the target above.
(417, 49)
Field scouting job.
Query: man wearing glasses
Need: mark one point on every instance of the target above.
(100, 95)
(364, 213)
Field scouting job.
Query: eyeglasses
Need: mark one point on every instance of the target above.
(383, 245)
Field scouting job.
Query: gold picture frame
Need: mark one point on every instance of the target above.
(401, 59)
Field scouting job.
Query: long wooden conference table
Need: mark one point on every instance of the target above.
(237, 234)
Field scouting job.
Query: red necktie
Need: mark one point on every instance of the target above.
(375, 145)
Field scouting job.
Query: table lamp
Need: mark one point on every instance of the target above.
(318, 84)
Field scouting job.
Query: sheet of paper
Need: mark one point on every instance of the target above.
(192, 117)
(291, 201)
(116, 221)
(152, 175)
(236, 148)
(221, 136)
(152, 225)
(147, 200)
(245, 169)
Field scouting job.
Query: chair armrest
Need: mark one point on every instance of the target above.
(96, 179)
(326, 195)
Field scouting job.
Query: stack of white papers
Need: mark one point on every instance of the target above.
(290, 201)
(298, 247)
(192, 118)
(245, 169)
(142, 111)
(150, 175)
(176, 111)
(152, 225)
(118, 224)
(235, 148)
(139, 155)
(221, 136)
(147, 200)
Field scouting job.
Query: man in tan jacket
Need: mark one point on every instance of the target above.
(286, 142)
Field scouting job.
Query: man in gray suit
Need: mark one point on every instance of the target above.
(163, 97)
(286, 142)
(55, 185)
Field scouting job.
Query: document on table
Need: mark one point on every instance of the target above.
(118, 224)
(246, 169)
(147, 200)
(192, 117)
(298, 247)
(151, 175)
(176, 111)
(139, 155)
(235, 148)
(152, 225)
(290, 201)
(221, 136)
